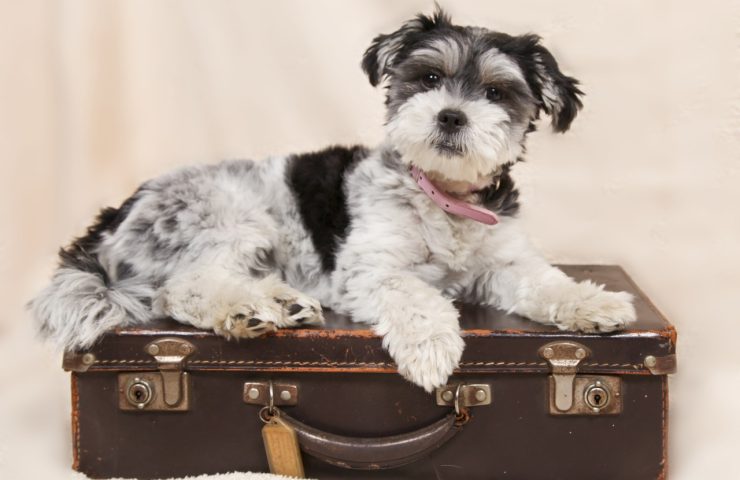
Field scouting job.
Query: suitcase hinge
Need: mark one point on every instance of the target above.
(167, 389)
(572, 394)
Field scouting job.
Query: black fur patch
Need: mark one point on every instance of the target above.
(407, 37)
(534, 59)
(80, 254)
(502, 197)
(317, 181)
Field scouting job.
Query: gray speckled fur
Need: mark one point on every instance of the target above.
(225, 247)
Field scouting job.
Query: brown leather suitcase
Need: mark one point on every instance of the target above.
(528, 401)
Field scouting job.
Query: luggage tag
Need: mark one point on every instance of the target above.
(281, 446)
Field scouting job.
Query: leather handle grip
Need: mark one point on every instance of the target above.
(373, 453)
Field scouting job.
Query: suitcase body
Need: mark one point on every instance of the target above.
(532, 402)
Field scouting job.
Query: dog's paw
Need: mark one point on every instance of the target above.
(283, 308)
(299, 309)
(592, 309)
(426, 353)
(250, 320)
(430, 361)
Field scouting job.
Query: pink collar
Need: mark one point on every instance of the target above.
(452, 205)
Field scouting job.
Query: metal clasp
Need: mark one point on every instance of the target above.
(572, 394)
(167, 389)
(564, 358)
(170, 354)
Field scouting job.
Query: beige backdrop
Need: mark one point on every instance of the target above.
(97, 96)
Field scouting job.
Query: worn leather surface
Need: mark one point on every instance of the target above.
(348, 386)
(373, 453)
(514, 437)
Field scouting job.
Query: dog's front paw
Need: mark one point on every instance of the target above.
(426, 356)
(428, 362)
(589, 308)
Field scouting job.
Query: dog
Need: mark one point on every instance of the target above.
(389, 235)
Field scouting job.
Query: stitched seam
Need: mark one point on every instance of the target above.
(358, 364)
(509, 364)
(290, 363)
(125, 361)
(625, 365)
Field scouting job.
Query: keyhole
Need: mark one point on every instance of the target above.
(139, 393)
(597, 396)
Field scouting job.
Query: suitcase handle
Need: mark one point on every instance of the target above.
(374, 453)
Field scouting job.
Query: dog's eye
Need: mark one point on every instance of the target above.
(430, 80)
(493, 94)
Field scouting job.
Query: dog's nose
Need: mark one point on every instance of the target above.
(451, 120)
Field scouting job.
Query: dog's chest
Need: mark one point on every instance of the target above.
(452, 243)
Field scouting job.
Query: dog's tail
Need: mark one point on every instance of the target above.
(82, 302)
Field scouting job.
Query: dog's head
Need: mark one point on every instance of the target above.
(462, 99)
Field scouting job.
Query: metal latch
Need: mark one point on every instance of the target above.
(168, 389)
(572, 394)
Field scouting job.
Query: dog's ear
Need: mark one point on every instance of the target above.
(384, 52)
(558, 94)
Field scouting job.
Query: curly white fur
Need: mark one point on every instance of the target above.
(227, 247)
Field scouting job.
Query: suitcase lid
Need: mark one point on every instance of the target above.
(496, 342)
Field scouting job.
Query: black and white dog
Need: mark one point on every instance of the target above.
(390, 235)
